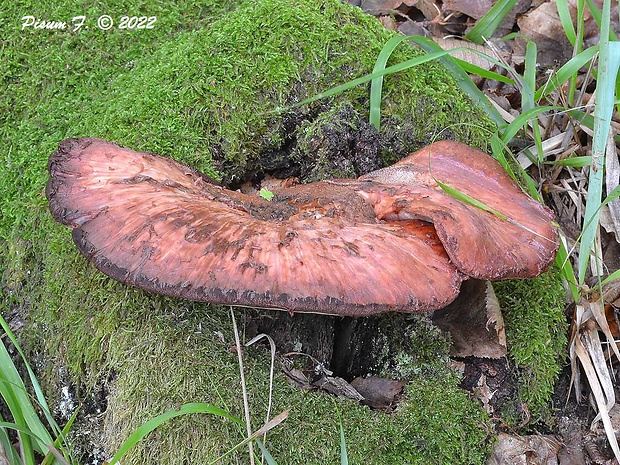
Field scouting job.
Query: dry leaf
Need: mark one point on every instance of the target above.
(612, 179)
(542, 25)
(525, 450)
(474, 321)
(412, 28)
(377, 7)
(388, 22)
(339, 387)
(378, 393)
(483, 393)
(429, 9)
(470, 57)
(473, 8)
(275, 421)
(586, 347)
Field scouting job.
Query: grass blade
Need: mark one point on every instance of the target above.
(582, 118)
(461, 76)
(6, 444)
(487, 25)
(244, 391)
(153, 423)
(615, 275)
(369, 77)
(566, 21)
(275, 421)
(498, 147)
(22, 429)
(529, 76)
(376, 85)
(33, 379)
(564, 264)
(511, 130)
(482, 72)
(18, 401)
(344, 457)
(609, 62)
(455, 193)
(272, 346)
(58, 443)
(574, 162)
(268, 457)
(527, 93)
(566, 72)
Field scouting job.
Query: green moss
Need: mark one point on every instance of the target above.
(536, 330)
(424, 351)
(212, 94)
(165, 360)
(411, 347)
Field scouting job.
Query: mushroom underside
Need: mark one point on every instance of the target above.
(391, 240)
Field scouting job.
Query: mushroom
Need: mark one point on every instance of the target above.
(391, 240)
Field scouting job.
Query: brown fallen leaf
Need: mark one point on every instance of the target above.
(429, 9)
(588, 327)
(297, 378)
(473, 8)
(542, 25)
(388, 22)
(377, 7)
(483, 393)
(471, 56)
(525, 450)
(474, 322)
(612, 180)
(413, 28)
(379, 393)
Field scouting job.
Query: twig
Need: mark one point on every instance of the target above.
(272, 344)
(246, 406)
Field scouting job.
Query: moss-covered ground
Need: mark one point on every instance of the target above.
(204, 88)
(536, 333)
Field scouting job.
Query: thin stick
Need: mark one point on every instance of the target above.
(246, 406)
(272, 344)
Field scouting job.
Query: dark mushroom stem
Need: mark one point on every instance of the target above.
(389, 241)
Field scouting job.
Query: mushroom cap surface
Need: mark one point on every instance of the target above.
(480, 244)
(389, 241)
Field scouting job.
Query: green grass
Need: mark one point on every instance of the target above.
(36, 434)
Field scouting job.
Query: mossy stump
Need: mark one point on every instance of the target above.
(213, 96)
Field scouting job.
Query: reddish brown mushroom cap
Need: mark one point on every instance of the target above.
(159, 225)
(479, 243)
(345, 247)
